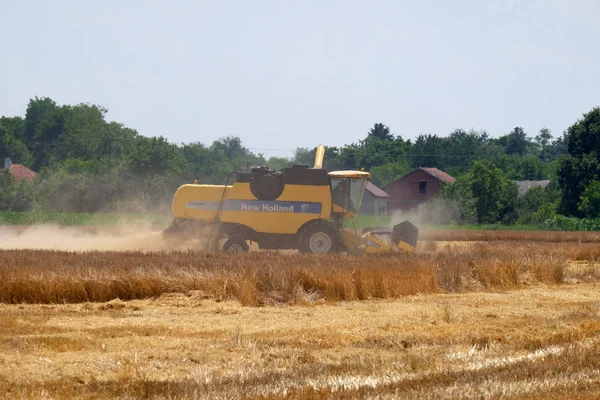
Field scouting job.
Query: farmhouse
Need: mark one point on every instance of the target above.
(374, 201)
(414, 188)
(19, 171)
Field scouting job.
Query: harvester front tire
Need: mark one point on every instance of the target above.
(235, 244)
(320, 238)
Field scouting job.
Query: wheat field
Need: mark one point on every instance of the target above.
(507, 235)
(474, 319)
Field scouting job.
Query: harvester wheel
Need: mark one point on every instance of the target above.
(235, 244)
(320, 237)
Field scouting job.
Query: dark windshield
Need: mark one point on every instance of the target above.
(348, 193)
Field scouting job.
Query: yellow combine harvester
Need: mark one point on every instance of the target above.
(298, 207)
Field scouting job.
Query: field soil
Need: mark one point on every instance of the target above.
(534, 343)
(472, 319)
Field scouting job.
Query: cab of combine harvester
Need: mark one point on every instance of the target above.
(347, 191)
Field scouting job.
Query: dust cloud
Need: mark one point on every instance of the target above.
(433, 212)
(111, 238)
(142, 237)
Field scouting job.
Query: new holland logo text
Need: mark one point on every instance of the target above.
(266, 208)
(256, 206)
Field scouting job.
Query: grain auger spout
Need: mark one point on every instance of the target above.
(301, 207)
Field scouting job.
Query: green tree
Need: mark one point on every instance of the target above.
(380, 131)
(25, 197)
(584, 135)
(16, 196)
(483, 195)
(375, 152)
(538, 204)
(278, 163)
(84, 129)
(590, 200)
(543, 144)
(545, 212)
(558, 147)
(458, 198)
(231, 151)
(529, 203)
(115, 143)
(378, 148)
(307, 156)
(517, 142)
(154, 156)
(231, 147)
(581, 165)
(487, 190)
(428, 151)
(574, 175)
(14, 126)
(44, 123)
(7, 189)
(11, 146)
(201, 164)
(464, 148)
(543, 138)
(348, 156)
(386, 173)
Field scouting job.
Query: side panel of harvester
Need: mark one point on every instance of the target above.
(198, 202)
(297, 205)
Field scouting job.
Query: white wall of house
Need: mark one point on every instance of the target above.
(372, 205)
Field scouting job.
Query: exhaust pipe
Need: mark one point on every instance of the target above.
(319, 157)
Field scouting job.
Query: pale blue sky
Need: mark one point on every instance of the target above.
(287, 74)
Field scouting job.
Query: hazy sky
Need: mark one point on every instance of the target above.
(283, 74)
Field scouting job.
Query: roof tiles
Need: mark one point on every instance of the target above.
(441, 175)
(375, 191)
(20, 172)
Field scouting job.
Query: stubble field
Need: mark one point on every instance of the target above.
(473, 315)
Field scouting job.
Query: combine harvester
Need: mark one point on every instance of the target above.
(296, 208)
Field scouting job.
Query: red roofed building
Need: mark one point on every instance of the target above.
(374, 201)
(416, 187)
(20, 172)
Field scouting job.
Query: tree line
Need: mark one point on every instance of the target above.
(88, 164)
